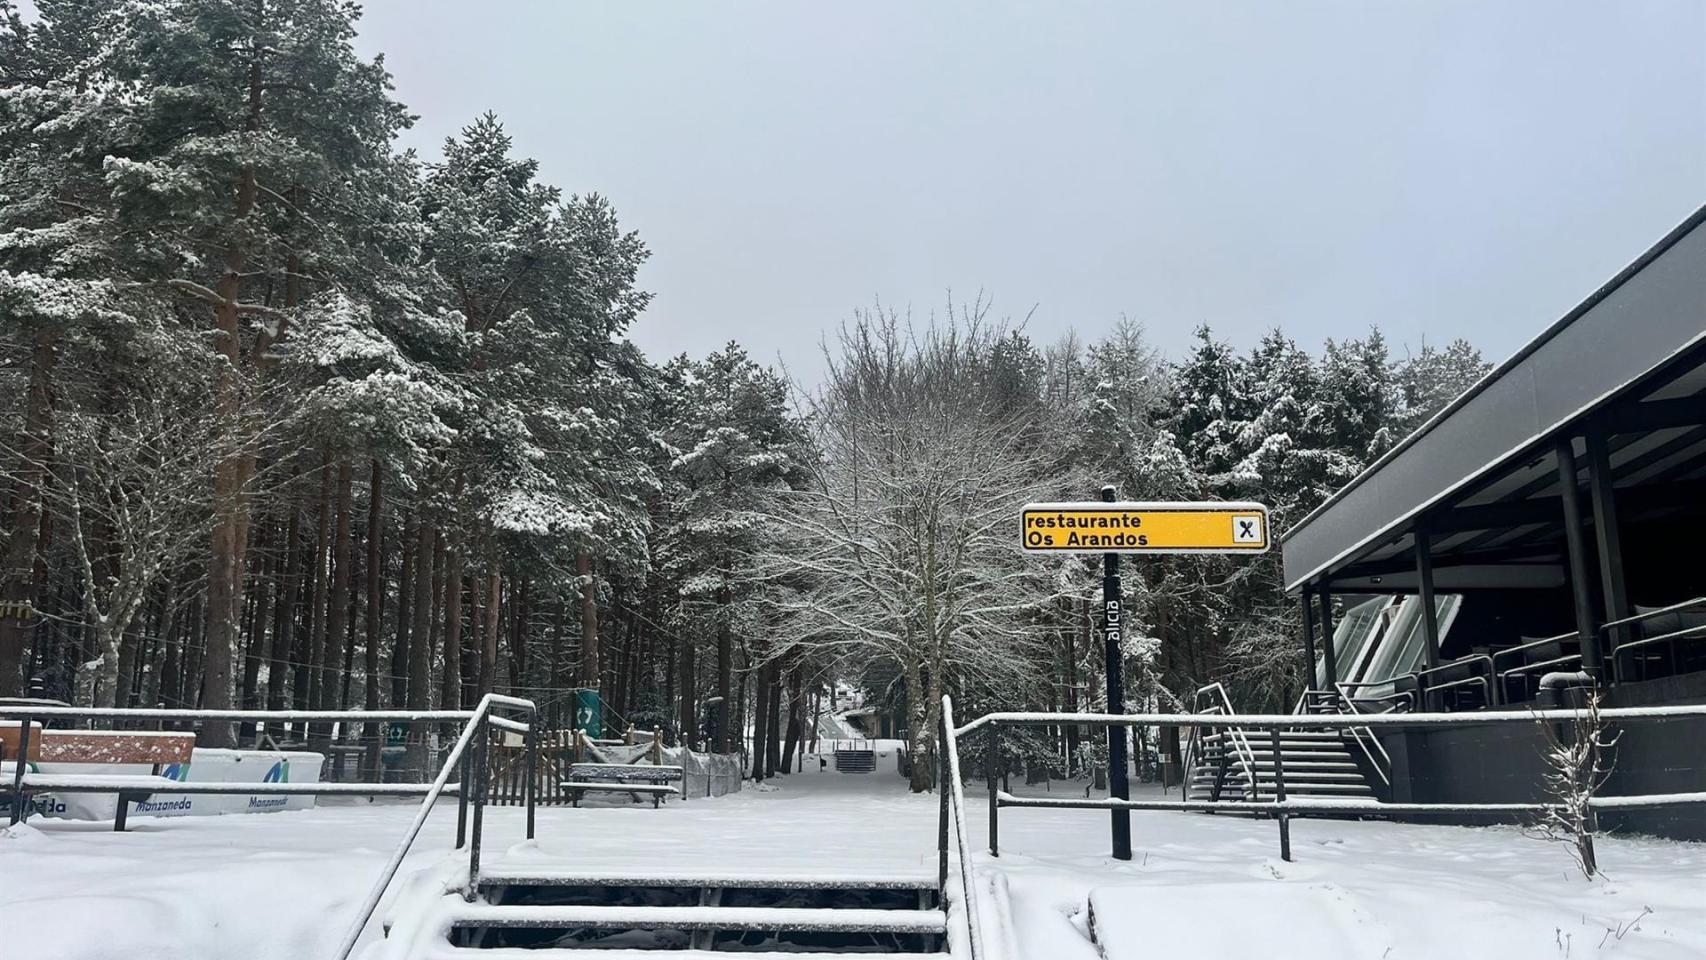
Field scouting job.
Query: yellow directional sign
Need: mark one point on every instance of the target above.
(1097, 527)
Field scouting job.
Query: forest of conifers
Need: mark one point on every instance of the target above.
(291, 417)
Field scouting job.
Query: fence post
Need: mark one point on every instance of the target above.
(989, 764)
(1279, 794)
(531, 787)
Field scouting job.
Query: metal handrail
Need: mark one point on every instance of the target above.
(1246, 755)
(1281, 808)
(954, 804)
(1383, 766)
(1486, 682)
(1650, 614)
(1530, 645)
(477, 725)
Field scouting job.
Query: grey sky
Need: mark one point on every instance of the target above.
(1439, 168)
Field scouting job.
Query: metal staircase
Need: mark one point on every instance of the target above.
(1238, 765)
(542, 914)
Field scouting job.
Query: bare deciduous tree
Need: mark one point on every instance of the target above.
(1577, 765)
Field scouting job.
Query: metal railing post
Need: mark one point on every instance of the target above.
(18, 766)
(531, 789)
(482, 742)
(942, 808)
(1279, 794)
(464, 784)
(990, 762)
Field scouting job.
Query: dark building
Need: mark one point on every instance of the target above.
(1543, 535)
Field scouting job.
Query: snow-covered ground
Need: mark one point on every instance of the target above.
(1215, 886)
(283, 885)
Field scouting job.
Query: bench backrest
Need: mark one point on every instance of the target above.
(101, 746)
(619, 772)
(11, 736)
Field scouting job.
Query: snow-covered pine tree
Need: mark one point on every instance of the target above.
(737, 441)
(243, 115)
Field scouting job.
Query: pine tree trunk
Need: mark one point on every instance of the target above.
(518, 633)
(725, 668)
(489, 643)
(589, 622)
(319, 671)
(337, 599)
(170, 692)
(420, 652)
(374, 732)
(760, 717)
(435, 615)
(773, 724)
(451, 696)
(400, 652)
(470, 665)
(25, 528)
(284, 616)
(689, 709)
(257, 649)
(795, 719)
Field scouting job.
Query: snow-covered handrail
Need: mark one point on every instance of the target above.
(144, 713)
(476, 724)
(1281, 721)
(1341, 804)
(957, 807)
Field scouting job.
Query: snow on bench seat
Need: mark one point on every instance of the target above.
(695, 918)
(624, 771)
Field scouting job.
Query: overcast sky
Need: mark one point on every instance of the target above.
(1438, 168)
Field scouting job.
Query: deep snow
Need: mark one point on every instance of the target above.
(283, 885)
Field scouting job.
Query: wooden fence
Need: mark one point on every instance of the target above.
(557, 750)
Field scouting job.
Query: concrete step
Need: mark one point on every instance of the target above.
(774, 919)
(449, 952)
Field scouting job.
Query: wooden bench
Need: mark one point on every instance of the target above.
(637, 779)
(155, 748)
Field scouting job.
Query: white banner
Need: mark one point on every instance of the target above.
(205, 766)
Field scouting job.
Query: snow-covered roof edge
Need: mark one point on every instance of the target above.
(1308, 567)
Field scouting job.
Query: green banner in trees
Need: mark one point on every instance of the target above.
(589, 713)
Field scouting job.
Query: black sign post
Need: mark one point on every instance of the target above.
(1110, 528)
(1118, 788)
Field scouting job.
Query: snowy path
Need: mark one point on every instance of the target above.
(282, 886)
(1215, 887)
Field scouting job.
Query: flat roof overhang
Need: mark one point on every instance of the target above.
(1633, 355)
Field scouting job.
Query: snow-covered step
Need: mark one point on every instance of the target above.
(582, 878)
(776, 919)
(448, 952)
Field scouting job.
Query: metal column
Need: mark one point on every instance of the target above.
(1606, 533)
(1425, 595)
(1326, 598)
(1309, 677)
(1577, 544)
